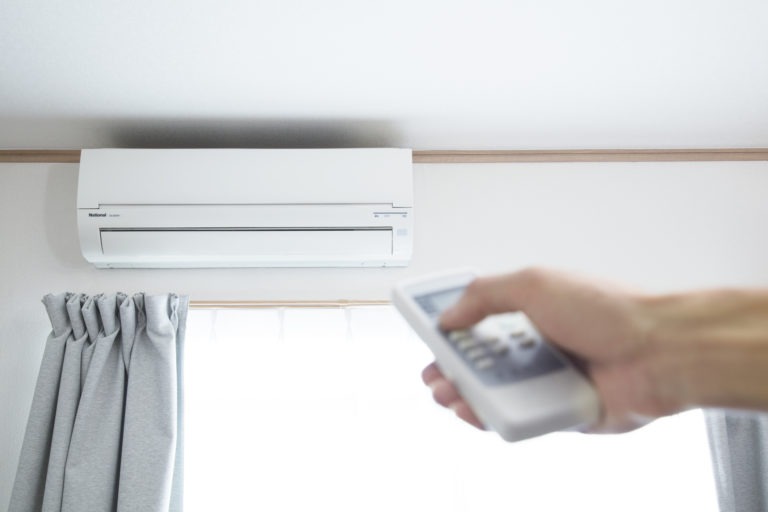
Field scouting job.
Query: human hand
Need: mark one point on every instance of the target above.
(601, 325)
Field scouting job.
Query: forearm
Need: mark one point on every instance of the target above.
(709, 349)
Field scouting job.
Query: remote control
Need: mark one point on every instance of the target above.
(517, 383)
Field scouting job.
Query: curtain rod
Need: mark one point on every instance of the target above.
(271, 304)
(491, 156)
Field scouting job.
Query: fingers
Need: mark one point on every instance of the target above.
(464, 412)
(446, 394)
(431, 373)
(489, 295)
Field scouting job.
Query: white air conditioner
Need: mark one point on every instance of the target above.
(245, 207)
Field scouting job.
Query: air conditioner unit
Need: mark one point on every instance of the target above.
(245, 207)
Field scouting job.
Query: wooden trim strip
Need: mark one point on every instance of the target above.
(590, 155)
(40, 156)
(254, 304)
(483, 157)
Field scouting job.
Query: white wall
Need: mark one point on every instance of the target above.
(659, 226)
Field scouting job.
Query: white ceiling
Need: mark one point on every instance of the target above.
(421, 74)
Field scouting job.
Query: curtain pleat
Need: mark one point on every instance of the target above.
(739, 445)
(104, 428)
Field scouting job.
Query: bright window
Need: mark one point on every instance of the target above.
(323, 409)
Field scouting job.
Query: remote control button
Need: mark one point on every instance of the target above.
(528, 342)
(500, 349)
(457, 336)
(518, 332)
(466, 344)
(490, 340)
(476, 353)
(484, 363)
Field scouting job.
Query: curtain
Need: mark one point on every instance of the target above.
(104, 430)
(739, 444)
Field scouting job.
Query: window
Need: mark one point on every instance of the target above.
(323, 409)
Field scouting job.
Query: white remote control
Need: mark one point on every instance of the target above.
(515, 381)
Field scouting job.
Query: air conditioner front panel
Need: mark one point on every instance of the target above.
(207, 244)
(244, 176)
(245, 208)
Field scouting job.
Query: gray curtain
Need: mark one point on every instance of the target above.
(739, 443)
(104, 431)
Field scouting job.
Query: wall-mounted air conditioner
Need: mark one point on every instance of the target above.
(245, 207)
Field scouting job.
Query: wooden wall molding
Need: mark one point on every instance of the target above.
(591, 155)
(72, 156)
(40, 156)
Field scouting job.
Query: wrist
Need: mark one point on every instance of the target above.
(708, 349)
(672, 368)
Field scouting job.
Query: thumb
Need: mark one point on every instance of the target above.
(486, 296)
